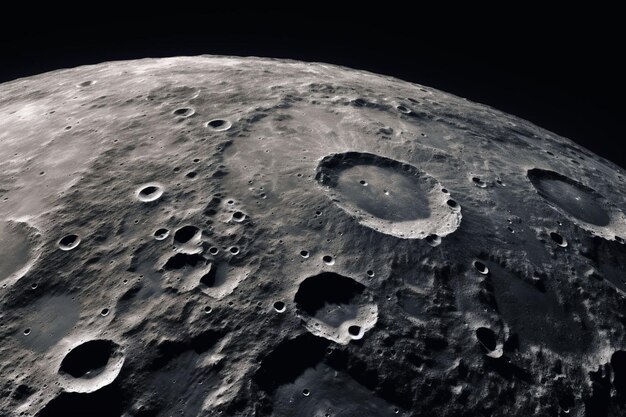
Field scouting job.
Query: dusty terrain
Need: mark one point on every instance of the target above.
(215, 236)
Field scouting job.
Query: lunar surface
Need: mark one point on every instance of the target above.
(217, 236)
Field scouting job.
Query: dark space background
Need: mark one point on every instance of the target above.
(561, 73)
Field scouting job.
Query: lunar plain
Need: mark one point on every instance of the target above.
(222, 236)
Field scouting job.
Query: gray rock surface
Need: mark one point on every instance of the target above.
(225, 236)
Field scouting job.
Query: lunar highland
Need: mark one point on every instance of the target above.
(220, 236)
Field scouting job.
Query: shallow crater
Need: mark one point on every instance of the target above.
(18, 249)
(570, 197)
(390, 196)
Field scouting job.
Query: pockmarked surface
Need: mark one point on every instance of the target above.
(217, 236)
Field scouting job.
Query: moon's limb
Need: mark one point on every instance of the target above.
(244, 236)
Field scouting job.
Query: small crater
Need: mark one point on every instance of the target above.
(219, 124)
(478, 182)
(403, 109)
(238, 216)
(186, 233)
(370, 273)
(355, 331)
(558, 239)
(280, 307)
(27, 331)
(306, 392)
(213, 250)
(184, 112)
(453, 205)
(104, 312)
(191, 174)
(69, 242)
(328, 260)
(481, 267)
(234, 250)
(86, 83)
(149, 192)
(161, 234)
(433, 240)
(304, 253)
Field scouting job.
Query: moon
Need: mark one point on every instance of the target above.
(225, 236)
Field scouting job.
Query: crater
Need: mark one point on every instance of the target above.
(489, 342)
(91, 365)
(186, 233)
(184, 112)
(336, 307)
(149, 192)
(280, 307)
(69, 242)
(551, 323)
(239, 216)
(558, 239)
(433, 240)
(87, 359)
(570, 197)
(219, 124)
(481, 267)
(220, 280)
(161, 234)
(478, 182)
(389, 196)
(188, 239)
(18, 249)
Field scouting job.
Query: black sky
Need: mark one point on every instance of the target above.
(564, 75)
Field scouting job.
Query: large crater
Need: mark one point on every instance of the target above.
(570, 197)
(390, 196)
